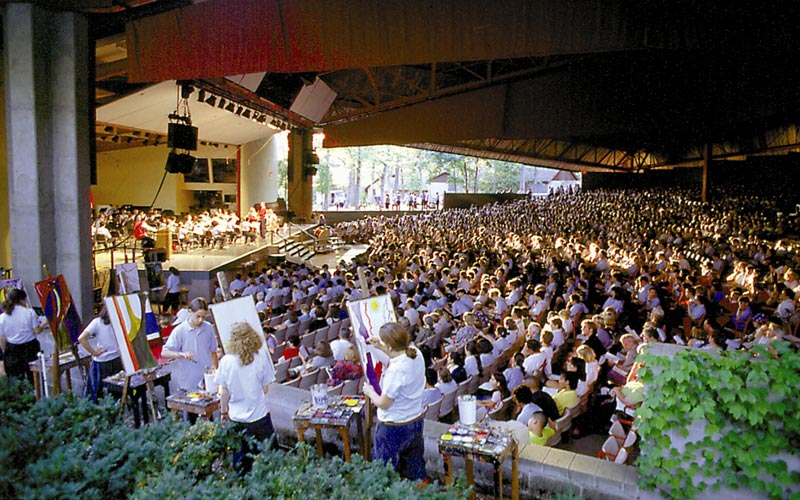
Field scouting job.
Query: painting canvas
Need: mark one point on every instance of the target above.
(227, 313)
(128, 277)
(61, 313)
(366, 317)
(222, 279)
(8, 284)
(132, 319)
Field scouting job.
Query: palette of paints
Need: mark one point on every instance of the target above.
(474, 440)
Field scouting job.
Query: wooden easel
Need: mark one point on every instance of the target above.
(57, 355)
(148, 375)
(367, 452)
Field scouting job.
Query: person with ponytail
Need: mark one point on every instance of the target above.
(103, 347)
(19, 326)
(398, 436)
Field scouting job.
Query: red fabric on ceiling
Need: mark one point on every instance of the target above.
(227, 37)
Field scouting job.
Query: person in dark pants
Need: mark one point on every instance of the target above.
(398, 436)
(243, 378)
(19, 326)
(98, 339)
(172, 299)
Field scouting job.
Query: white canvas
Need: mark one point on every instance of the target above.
(128, 277)
(227, 313)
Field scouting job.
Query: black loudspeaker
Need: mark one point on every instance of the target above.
(179, 163)
(181, 136)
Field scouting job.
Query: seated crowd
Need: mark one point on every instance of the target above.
(540, 307)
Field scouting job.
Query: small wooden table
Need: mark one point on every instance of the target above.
(338, 415)
(480, 442)
(203, 404)
(137, 391)
(66, 362)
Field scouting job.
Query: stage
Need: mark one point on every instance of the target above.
(199, 266)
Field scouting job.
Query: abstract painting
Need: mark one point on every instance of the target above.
(8, 284)
(60, 311)
(366, 317)
(132, 319)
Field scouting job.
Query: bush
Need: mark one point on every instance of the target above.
(68, 447)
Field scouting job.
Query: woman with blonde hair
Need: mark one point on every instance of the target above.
(398, 436)
(243, 377)
(592, 369)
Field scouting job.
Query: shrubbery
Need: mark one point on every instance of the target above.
(67, 447)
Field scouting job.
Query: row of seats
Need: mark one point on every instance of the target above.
(310, 339)
(619, 443)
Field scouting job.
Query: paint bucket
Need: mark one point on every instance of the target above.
(208, 378)
(467, 408)
(319, 396)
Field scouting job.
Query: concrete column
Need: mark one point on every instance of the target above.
(300, 185)
(707, 154)
(259, 171)
(47, 70)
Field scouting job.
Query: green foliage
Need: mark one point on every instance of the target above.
(743, 408)
(67, 447)
(387, 168)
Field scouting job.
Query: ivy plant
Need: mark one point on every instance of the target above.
(721, 419)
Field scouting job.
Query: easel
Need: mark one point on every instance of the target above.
(148, 375)
(57, 355)
(367, 452)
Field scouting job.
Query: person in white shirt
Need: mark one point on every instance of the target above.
(398, 435)
(514, 374)
(432, 393)
(786, 307)
(98, 339)
(341, 344)
(172, 299)
(446, 383)
(535, 360)
(19, 326)
(193, 344)
(243, 377)
(237, 284)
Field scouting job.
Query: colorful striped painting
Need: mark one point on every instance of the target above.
(132, 319)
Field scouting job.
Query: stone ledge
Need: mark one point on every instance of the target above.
(540, 468)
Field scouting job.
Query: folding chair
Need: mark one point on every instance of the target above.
(309, 379)
(432, 410)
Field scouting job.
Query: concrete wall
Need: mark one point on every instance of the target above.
(466, 200)
(540, 468)
(5, 228)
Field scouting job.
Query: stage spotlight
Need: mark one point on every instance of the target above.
(201, 95)
(246, 113)
(239, 110)
(230, 107)
(212, 100)
(221, 104)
